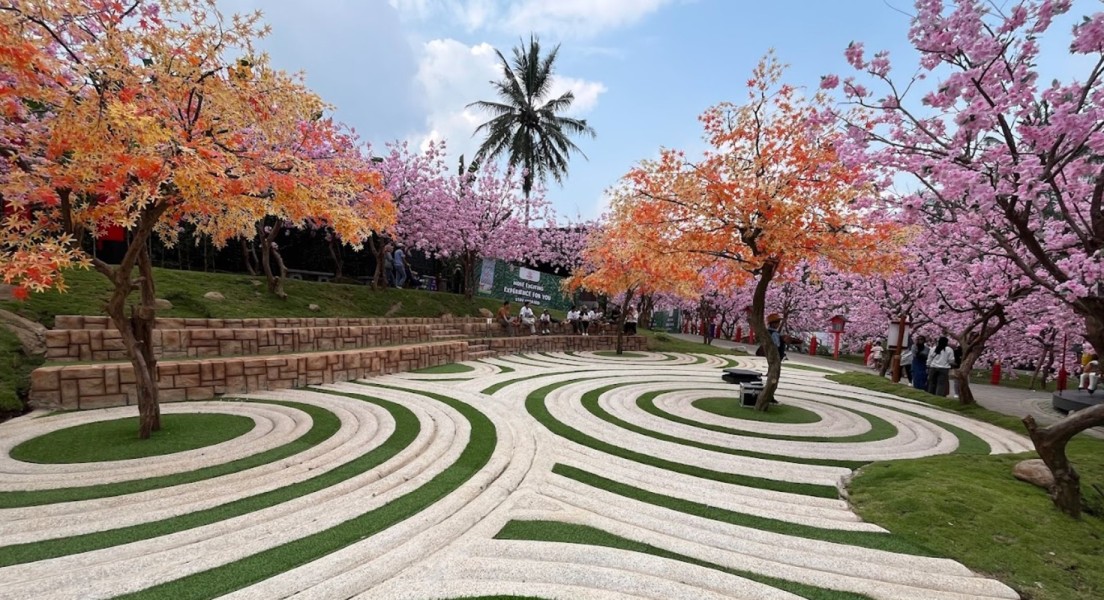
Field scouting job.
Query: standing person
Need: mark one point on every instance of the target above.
(389, 264)
(504, 318)
(528, 319)
(875, 356)
(906, 363)
(546, 322)
(940, 361)
(584, 320)
(630, 320)
(399, 260)
(573, 317)
(920, 363)
(773, 321)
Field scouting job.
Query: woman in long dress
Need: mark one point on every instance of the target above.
(920, 363)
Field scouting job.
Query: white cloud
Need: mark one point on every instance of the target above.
(563, 18)
(576, 18)
(452, 75)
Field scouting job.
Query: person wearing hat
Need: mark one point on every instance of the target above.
(773, 321)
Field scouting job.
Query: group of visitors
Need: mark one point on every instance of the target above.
(525, 318)
(928, 367)
(395, 268)
(580, 319)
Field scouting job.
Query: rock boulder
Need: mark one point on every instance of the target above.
(1035, 472)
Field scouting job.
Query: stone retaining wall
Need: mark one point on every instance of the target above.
(562, 343)
(107, 344)
(89, 322)
(94, 386)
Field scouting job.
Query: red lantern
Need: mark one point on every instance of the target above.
(836, 326)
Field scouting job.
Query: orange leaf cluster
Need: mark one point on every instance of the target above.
(770, 191)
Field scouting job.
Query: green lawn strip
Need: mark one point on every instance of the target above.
(590, 402)
(535, 405)
(971, 509)
(806, 368)
(733, 409)
(968, 443)
(406, 429)
(663, 342)
(865, 539)
(324, 425)
(570, 533)
(498, 386)
(974, 411)
(239, 574)
(614, 354)
(880, 429)
(445, 369)
(118, 439)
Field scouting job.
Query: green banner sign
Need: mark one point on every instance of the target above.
(502, 280)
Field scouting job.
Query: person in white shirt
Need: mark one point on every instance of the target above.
(1090, 376)
(940, 361)
(630, 320)
(546, 322)
(585, 319)
(528, 319)
(573, 317)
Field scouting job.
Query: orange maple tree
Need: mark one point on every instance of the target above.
(145, 114)
(770, 191)
(617, 263)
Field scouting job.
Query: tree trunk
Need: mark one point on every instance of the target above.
(137, 330)
(647, 306)
(1050, 442)
(962, 376)
(468, 264)
(621, 322)
(275, 282)
(334, 247)
(1039, 368)
(249, 257)
(774, 359)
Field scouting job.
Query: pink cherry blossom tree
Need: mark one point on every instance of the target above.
(1009, 155)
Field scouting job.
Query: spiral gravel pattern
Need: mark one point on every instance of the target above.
(561, 440)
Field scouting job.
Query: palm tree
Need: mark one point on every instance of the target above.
(526, 126)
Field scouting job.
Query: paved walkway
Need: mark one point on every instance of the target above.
(1010, 401)
(550, 475)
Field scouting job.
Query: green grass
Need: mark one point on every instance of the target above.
(614, 354)
(89, 292)
(236, 575)
(865, 539)
(880, 384)
(324, 425)
(570, 533)
(535, 405)
(663, 342)
(590, 402)
(406, 429)
(790, 365)
(778, 413)
(971, 509)
(445, 369)
(117, 440)
(15, 373)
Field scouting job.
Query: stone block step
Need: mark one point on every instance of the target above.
(480, 354)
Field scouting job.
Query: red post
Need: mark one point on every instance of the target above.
(835, 351)
(1063, 374)
(702, 329)
(739, 334)
(866, 352)
(813, 346)
(751, 337)
(995, 379)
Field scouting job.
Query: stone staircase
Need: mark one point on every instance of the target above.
(205, 358)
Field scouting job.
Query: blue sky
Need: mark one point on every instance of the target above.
(642, 70)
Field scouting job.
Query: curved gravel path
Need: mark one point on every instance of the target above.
(560, 442)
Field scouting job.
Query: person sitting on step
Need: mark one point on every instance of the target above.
(1090, 375)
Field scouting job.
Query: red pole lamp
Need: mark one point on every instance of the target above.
(836, 326)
